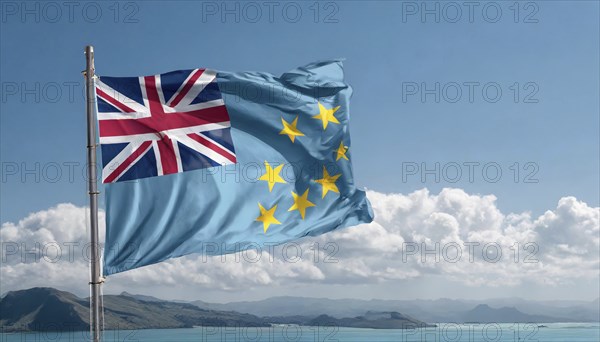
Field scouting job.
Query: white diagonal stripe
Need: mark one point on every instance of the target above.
(216, 143)
(204, 79)
(181, 87)
(120, 158)
(122, 98)
(196, 146)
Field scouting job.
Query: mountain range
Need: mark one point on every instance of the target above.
(513, 310)
(51, 309)
(41, 309)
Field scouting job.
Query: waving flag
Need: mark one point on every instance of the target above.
(198, 161)
(163, 124)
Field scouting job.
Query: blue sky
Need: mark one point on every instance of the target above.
(387, 49)
(543, 56)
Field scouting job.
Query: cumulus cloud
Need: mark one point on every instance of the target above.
(47, 248)
(459, 236)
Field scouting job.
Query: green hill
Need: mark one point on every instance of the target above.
(41, 309)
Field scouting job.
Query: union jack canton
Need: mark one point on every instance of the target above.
(162, 124)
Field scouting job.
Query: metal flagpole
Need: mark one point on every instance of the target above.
(95, 280)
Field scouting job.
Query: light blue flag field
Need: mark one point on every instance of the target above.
(203, 161)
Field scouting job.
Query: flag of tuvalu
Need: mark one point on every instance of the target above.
(199, 161)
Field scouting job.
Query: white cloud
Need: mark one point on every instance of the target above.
(555, 248)
(47, 248)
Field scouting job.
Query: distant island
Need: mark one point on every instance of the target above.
(498, 310)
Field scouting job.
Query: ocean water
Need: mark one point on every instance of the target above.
(445, 332)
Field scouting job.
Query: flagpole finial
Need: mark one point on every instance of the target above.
(89, 54)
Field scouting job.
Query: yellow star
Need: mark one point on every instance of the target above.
(328, 182)
(272, 175)
(290, 129)
(341, 152)
(326, 115)
(267, 217)
(301, 203)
